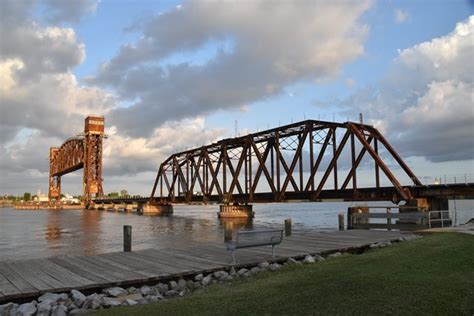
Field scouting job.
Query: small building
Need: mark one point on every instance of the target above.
(69, 199)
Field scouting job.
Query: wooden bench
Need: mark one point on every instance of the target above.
(255, 238)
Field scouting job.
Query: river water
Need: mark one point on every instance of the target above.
(26, 234)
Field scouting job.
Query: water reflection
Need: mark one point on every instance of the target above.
(232, 225)
(53, 229)
(41, 233)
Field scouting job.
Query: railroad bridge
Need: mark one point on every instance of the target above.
(305, 161)
(83, 151)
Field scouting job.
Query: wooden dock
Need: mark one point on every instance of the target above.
(29, 278)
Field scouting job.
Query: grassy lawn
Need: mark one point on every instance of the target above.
(428, 276)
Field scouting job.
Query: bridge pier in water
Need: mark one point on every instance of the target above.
(236, 211)
(151, 208)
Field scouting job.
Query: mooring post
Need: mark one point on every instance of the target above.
(341, 221)
(288, 227)
(228, 229)
(127, 238)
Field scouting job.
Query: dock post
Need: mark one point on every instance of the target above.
(127, 238)
(341, 221)
(288, 227)
(228, 228)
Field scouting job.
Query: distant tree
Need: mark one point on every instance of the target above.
(124, 193)
(26, 196)
(61, 195)
(113, 194)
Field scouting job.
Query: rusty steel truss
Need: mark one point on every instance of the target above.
(83, 151)
(293, 162)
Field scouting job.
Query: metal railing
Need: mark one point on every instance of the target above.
(442, 218)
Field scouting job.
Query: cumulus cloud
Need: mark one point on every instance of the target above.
(425, 102)
(69, 11)
(273, 44)
(131, 155)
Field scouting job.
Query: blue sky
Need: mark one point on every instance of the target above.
(154, 67)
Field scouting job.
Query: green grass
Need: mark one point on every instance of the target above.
(428, 276)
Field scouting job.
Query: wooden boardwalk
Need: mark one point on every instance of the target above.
(30, 278)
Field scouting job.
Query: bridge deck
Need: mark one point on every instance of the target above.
(29, 278)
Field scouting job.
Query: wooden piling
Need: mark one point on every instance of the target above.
(288, 227)
(127, 238)
(341, 221)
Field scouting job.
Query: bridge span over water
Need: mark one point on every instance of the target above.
(305, 161)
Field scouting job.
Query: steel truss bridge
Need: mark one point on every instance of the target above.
(305, 161)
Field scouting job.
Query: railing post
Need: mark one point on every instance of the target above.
(442, 220)
(341, 221)
(389, 219)
(288, 227)
(127, 238)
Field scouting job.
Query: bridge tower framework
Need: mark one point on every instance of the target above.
(84, 151)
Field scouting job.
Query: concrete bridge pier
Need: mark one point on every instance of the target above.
(151, 208)
(236, 211)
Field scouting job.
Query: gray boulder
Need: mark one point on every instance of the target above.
(8, 309)
(255, 270)
(78, 298)
(171, 293)
(44, 307)
(206, 280)
(220, 274)
(173, 285)
(146, 290)
(336, 254)
(242, 271)
(181, 284)
(263, 265)
(26, 309)
(132, 290)
(198, 277)
(59, 310)
(115, 291)
(309, 259)
(318, 258)
(93, 301)
(129, 302)
(274, 267)
(49, 296)
(162, 288)
(110, 302)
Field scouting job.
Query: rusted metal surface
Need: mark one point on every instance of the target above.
(84, 151)
(279, 165)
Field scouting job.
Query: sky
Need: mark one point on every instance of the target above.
(171, 75)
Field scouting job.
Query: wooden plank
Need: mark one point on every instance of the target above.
(61, 274)
(20, 283)
(115, 270)
(81, 270)
(34, 276)
(7, 288)
(120, 265)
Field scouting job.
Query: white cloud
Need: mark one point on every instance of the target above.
(425, 102)
(274, 44)
(400, 16)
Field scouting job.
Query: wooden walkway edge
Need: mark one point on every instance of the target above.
(22, 279)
